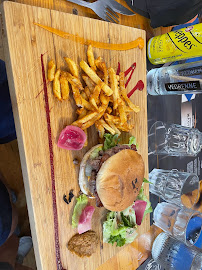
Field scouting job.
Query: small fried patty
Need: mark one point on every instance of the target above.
(84, 244)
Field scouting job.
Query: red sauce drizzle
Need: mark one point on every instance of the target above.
(128, 80)
(139, 86)
(118, 69)
(55, 215)
(133, 66)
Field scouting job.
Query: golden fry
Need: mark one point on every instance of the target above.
(89, 83)
(94, 77)
(99, 62)
(103, 98)
(72, 67)
(107, 127)
(125, 127)
(84, 119)
(95, 96)
(77, 96)
(100, 74)
(56, 85)
(111, 124)
(83, 94)
(51, 70)
(101, 111)
(87, 91)
(64, 85)
(100, 128)
(81, 112)
(86, 142)
(114, 87)
(91, 59)
(109, 110)
(123, 116)
(73, 80)
(112, 118)
(124, 94)
(86, 104)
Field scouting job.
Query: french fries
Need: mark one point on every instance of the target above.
(124, 94)
(95, 96)
(84, 119)
(114, 87)
(101, 96)
(94, 77)
(72, 67)
(99, 62)
(107, 127)
(64, 85)
(77, 96)
(56, 85)
(51, 70)
(100, 129)
(89, 83)
(74, 81)
(91, 59)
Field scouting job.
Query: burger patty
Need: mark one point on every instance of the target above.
(97, 163)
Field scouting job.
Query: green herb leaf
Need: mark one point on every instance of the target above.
(110, 141)
(118, 240)
(146, 181)
(126, 221)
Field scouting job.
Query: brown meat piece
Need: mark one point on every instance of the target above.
(83, 245)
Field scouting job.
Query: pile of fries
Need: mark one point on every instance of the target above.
(101, 97)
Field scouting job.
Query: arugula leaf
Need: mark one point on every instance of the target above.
(118, 239)
(110, 141)
(146, 181)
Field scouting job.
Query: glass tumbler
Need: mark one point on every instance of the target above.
(174, 140)
(172, 254)
(177, 187)
(182, 223)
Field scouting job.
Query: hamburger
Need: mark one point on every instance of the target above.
(113, 174)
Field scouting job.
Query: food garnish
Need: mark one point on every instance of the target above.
(139, 206)
(72, 138)
(81, 203)
(85, 219)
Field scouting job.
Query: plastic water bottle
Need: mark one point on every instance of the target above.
(172, 254)
(175, 80)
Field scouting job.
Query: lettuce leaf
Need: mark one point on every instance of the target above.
(82, 201)
(110, 141)
(119, 229)
(132, 140)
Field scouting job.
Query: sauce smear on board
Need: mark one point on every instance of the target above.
(55, 214)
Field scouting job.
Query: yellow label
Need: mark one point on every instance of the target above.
(177, 45)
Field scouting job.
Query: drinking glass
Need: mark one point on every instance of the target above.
(172, 254)
(182, 223)
(181, 188)
(174, 140)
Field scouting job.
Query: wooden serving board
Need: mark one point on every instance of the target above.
(24, 43)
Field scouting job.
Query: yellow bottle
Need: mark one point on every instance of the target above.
(177, 45)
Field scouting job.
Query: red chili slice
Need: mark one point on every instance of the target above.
(72, 138)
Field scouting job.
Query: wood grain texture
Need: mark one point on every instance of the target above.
(24, 43)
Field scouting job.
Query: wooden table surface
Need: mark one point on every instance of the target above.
(133, 255)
